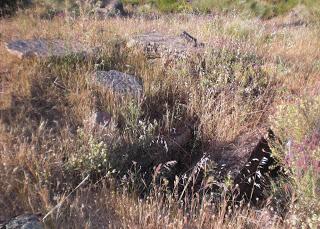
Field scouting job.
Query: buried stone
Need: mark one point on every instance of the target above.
(101, 118)
(98, 119)
(45, 48)
(118, 82)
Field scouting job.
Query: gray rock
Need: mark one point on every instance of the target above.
(119, 82)
(157, 45)
(45, 48)
(26, 221)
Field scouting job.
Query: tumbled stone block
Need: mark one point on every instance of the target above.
(119, 82)
(157, 45)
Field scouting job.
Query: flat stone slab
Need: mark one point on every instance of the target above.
(45, 48)
(157, 45)
(119, 82)
(23, 222)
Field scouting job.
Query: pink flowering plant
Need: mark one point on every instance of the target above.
(298, 126)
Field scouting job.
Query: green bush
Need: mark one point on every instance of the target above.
(92, 157)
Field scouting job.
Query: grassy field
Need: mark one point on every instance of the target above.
(259, 74)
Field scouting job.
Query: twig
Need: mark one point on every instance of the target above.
(61, 202)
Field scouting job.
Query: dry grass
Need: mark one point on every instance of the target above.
(252, 67)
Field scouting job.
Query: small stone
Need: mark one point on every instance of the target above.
(101, 118)
(119, 82)
(26, 221)
(45, 48)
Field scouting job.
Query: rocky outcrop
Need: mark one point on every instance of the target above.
(26, 221)
(118, 82)
(249, 163)
(45, 48)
